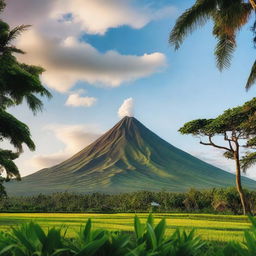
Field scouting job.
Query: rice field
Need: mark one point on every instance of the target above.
(210, 227)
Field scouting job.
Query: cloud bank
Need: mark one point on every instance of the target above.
(68, 61)
(53, 40)
(90, 16)
(127, 108)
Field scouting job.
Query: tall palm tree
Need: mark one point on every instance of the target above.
(228, 16)
(18, 82)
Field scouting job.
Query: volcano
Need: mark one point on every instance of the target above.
(129, 157)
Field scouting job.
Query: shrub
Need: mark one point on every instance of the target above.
(148, 240)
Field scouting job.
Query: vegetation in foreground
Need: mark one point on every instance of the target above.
(147, 239)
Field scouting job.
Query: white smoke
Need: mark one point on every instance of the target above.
(126, 109)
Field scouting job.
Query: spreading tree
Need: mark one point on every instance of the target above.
(237, 128)
(228, 17)
(19, 82)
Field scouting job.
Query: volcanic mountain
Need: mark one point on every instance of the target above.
(129, 157)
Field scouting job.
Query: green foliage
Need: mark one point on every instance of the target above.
(3, 194)
(196, 127)
(149, 239)
(206, 201)
(15, 131)
(7, 164)
(237, 127)
(248, 160)
(19, 82)
(252, 77)
(31, 239)
(228, 18)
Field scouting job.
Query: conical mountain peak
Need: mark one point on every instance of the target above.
(127, 120)
(128, 157)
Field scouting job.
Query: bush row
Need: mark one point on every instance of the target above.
(208, 201)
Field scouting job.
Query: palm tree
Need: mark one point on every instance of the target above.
(18, 82)
(228, 16)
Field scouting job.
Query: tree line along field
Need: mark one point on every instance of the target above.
(216, 201)
(221, 228)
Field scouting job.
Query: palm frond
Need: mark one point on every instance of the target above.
(14, 33)
(248, 161)
(224, 50)
(34, 103)
(252, 77)
(192, 18)
(231, 18)
(6, 163)
(13, 49)
(5, 101)
(15, 131)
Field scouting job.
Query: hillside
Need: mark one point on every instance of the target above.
(129, 157)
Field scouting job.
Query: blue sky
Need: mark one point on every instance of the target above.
(178, 86)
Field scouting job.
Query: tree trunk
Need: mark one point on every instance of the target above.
(245, 205)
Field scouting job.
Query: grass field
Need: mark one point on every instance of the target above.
(210, 227)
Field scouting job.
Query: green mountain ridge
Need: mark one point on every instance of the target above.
(129, 157)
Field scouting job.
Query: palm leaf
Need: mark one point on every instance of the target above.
(252, 77)
(192, 18)
(14, 33)
(13, 49)
(224, 50)
(248, 161)
(34, 103)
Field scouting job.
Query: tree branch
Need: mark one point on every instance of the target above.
(229, 141)
(211, 143)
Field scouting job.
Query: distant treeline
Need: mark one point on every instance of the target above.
(207, 201)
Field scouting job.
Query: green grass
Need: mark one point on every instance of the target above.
(210, 227)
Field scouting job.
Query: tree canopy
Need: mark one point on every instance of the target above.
(237, 126)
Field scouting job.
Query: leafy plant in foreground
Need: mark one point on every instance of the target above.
(148, 240)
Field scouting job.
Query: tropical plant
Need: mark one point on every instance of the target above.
(31, 239)
(149, 240)
(18, 82)
(228, 18)
(237, 127)
(152, 240)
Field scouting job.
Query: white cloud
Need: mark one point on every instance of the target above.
(68, 61)
(74, 138)
(52, 42)
(75, 100)
(97, 16)
(126, 109)
(91, 16)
